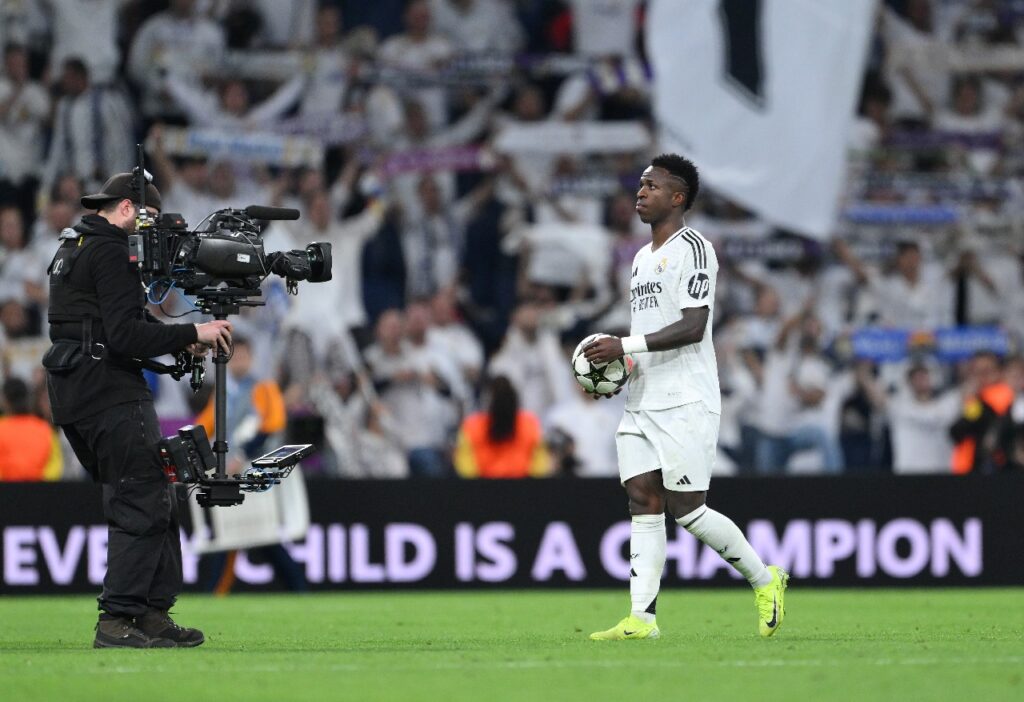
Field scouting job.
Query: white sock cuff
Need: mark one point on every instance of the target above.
(687, 519)
(648, 522)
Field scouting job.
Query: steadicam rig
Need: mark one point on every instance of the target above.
(223, 266)
(188, 459)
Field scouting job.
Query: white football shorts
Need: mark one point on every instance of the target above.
(680, 442)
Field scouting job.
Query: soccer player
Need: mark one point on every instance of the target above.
(666, 440)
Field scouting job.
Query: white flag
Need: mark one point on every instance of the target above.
(760, 94)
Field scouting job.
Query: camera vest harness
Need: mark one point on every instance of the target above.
(74, 311)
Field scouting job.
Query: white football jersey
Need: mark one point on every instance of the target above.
(680, 275)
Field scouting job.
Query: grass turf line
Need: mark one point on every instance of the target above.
(835, 645)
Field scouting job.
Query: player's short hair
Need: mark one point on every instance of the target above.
(684, 170)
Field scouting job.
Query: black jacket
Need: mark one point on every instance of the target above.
(103, 275)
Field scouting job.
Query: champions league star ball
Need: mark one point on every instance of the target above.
(600, 379)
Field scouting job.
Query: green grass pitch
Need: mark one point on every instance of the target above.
(919, 645)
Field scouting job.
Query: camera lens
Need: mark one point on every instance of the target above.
(319, 255)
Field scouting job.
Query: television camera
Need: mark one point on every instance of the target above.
(223, 266)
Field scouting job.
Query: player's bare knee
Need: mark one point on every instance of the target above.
(682, 503)
(645, 496)
(650, 504)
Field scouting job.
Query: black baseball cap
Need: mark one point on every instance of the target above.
(122, 186)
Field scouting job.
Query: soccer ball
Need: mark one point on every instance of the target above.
(600, 379)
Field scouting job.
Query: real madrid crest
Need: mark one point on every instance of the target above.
(662, 265)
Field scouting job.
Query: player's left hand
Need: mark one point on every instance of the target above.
(603, 350)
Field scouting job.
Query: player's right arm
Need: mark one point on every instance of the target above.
(688, 330)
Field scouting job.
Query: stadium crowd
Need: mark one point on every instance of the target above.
(473, 164)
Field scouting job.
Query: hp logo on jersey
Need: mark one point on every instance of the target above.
(698, 286)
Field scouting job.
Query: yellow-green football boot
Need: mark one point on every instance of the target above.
(771, 607)
(629, 628)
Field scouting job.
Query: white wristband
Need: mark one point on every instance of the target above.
(634, 344)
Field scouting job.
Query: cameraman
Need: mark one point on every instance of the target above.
(102, 333)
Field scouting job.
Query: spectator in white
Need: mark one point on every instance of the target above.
(758, 331)
(230, 106)
(453, 338)
(916, 62)
(972, 112)
(969, 112)
(1013, 318)
(605, 27)
(913, 296)
(919, 417)
(478, 25)
(524, 173)
(68, 188)
(24, 108)
(869, 128)
(86, 29)
(987, 280)
(306, 182)
(184, 187)
(93, 130)
(229, 189)
(745, 342)
(553, 206)
(420, 51)
(57, 215)
(22, 273)
(179, 41)
(287, 25)
(408, 389)
(376, 446)
(531, 358)
(417, 134)
(626, 242)
(329, 309)
(590, 426)
(738, 431)
(793, 412)
(432, 239)
(329, 79)
(362, 435)
(455, 392)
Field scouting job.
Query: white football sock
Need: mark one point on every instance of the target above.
(646, 562)
(721, 533)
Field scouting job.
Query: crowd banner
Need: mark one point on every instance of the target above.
(428, 160)
(330, 130)
(947, 344)
(761, 94)
(244, 147)
(573, 137)
(889, 215)
(847, 531)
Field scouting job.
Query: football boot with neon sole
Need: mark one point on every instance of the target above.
(629, 628)
(771, 608)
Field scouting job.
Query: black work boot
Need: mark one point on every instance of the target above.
(157, 623)
(120, 632)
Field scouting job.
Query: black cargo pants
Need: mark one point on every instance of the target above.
(118, 446)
